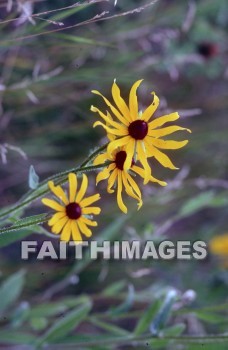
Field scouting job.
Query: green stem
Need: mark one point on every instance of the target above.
(66, 172)
(38, 193)
(140, 340)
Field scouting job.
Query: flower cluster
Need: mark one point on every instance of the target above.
(134, 137)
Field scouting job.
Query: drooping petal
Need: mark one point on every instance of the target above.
(89, 200)
(120, 203)
(149, 111)
(168, 144)
(75, 232)
(58, 191)
(142, 157)
(83, 188)
(112, 180)
(129, 149)
(88, 221)
(58, 226)
(120, 103)
(105, 173)
(66, 233)
(131, 188)
(55, 218)
(134, 185)
(113, 109)
(72, 186)
(141, 172)
(133, 100)
(113, 145)
(84, 229)
(91, 210)
(53, 204)
(165, 131)
(162, 120)
(160, 156)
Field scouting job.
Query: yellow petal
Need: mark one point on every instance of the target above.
(83, 189)
(134, 185)
(53, 204)
(121, 205)
(102, 158)
(129, 149)
(105, 173)
(130, 188)
(58, 191)
(72, 186)
(166, 131)
(84, 229)
(160, 156)
(107, 118)
(91, 210)
(66, 233)
(147, 114)
(113, 145)
(55, 218)
(75, 232)
(88, 222)
(143, 160)
(112, 180)
(59, 225)
(119, 101)
(113, 109)
(168, 144)
(164, 119)
(122, 131)
(133, 100)
(141, 172)
(89, 200)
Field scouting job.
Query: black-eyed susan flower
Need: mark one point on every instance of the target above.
(134, 130)
(117, 175)
(72, 211)
(219, 245)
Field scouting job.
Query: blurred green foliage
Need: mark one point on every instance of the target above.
(47, 73)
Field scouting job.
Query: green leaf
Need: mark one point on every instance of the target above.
(39, 323)
(81, 40)
(112, 329)
(12, 237)
(147, 317)
(33, 178)
(174, 331)
(11, 289)
(12, 337)
(211, 317)
(114, 288)
(127, 303)
(20, 315)
(65, 324)
(196, 203)
(163, 313)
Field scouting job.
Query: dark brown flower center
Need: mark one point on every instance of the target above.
(120, 159)
(138, 129)
(73, 211)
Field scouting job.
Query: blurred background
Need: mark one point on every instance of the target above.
(52, 54)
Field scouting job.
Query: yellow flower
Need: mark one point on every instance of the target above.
(115, 172)
(72, 210)
(219, 245)
(133, 130)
